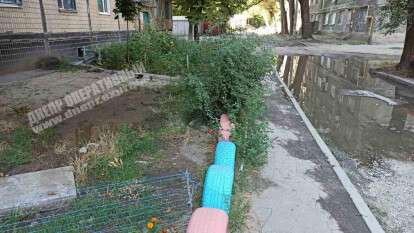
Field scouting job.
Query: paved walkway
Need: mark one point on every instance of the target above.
(303, 193)
(389, 51)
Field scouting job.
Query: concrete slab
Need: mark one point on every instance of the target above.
(303, 194)
(37, 188)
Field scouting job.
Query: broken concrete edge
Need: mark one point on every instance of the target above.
(49, 188)
(395, 78)
(362, 207)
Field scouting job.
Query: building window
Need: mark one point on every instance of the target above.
(103, 6)
(12, 2)
(69, 5)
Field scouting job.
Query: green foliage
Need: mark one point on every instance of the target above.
(130, 148)
(65, 66)
(106, 168)
(48, 136)
(114, 56)
(393, 14)
(127, 9)
(221, 76)
(228, 80)
(19, 151)
(129, 144)
(256, 21)
(157, 51)
(217, 12)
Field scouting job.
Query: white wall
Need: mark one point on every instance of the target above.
(180, 26)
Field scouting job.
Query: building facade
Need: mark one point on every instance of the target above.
(33, 28)
(346, 18)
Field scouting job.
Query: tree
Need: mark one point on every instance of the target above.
(291, 16)
(283, 18)
(305, 16)
(217, 12)
(270, 7)
(394, 14)
(128, 10)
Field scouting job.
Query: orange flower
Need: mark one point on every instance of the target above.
(154, 219)
(150, 225)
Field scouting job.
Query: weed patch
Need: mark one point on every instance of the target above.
(219, 76)
(118, 157)
(18, 151)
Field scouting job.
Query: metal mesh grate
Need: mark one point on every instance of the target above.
(116, 207)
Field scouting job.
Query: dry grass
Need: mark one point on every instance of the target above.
(105, 142)
(7, 126)
(3, 146)
(61, 148)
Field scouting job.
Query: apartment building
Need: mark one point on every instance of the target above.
(348, 18)
(30, 29)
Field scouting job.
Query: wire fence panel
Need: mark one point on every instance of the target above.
(23, 49)
(165, 202)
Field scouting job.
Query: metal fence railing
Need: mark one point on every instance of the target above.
(127, 206)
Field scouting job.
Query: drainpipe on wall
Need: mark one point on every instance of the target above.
(44, 27)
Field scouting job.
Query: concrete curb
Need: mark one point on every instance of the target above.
(369, 219)
(395, 78)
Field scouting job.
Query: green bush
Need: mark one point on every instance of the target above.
(256, 21)
(219, 76)
(19, 151)
(159, 52)
(114, 56)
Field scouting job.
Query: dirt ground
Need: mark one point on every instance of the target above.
(139, 108)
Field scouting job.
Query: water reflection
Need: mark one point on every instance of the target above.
(364, 127)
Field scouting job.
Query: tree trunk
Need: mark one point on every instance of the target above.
(407, 58)
(299, 77)
(190, 31)
(291, 16)
(283, 18)
(286, 71)
(127, 42)
(305, 16)
(196, 34)
(280, 59)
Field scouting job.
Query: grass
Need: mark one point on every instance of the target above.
(48, 136)
(65, 66)
(18, 151)
(119, 157)
(108, 209)
(240, 201)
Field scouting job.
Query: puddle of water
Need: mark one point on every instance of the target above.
(364, 116)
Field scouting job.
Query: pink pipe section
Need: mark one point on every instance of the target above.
(225, 128)
(208, 220)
